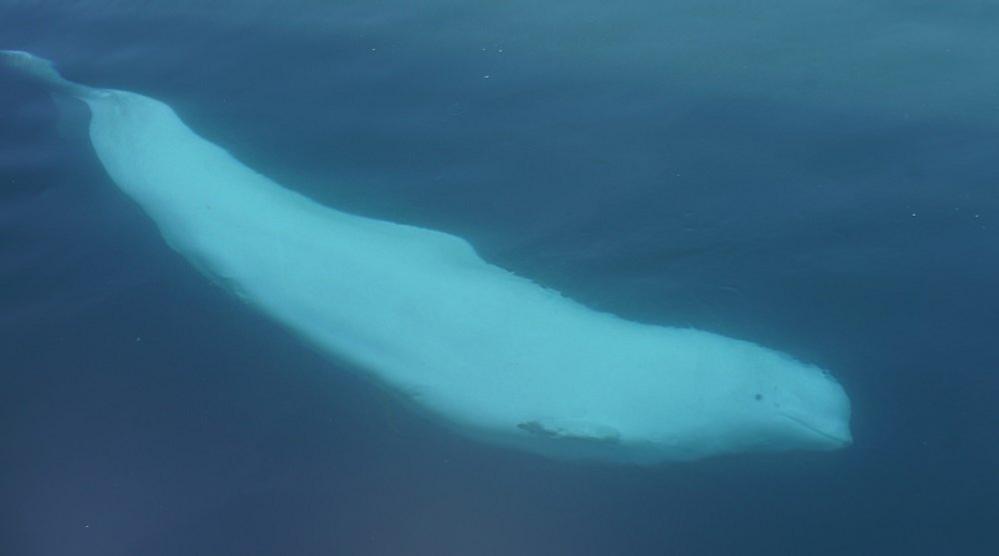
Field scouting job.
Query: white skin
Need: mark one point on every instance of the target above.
(492, 354)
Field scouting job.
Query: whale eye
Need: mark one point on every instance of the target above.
(758, 397)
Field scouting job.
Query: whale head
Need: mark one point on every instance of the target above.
(683, 394)
(754, 399)
(688, 394)
(794, 406)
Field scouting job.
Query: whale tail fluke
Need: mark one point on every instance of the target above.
(42, 71)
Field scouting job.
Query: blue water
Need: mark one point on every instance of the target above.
(815, 176)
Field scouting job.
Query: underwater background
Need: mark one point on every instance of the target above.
(816, 176)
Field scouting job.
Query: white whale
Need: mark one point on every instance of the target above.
(497, 356)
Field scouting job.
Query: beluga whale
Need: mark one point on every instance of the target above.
(494, 355)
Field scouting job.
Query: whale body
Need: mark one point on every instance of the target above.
(496, 356)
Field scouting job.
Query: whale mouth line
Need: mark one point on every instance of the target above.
(837, 439)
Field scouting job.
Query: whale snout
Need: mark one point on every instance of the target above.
(823, 434)
(821, 414)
